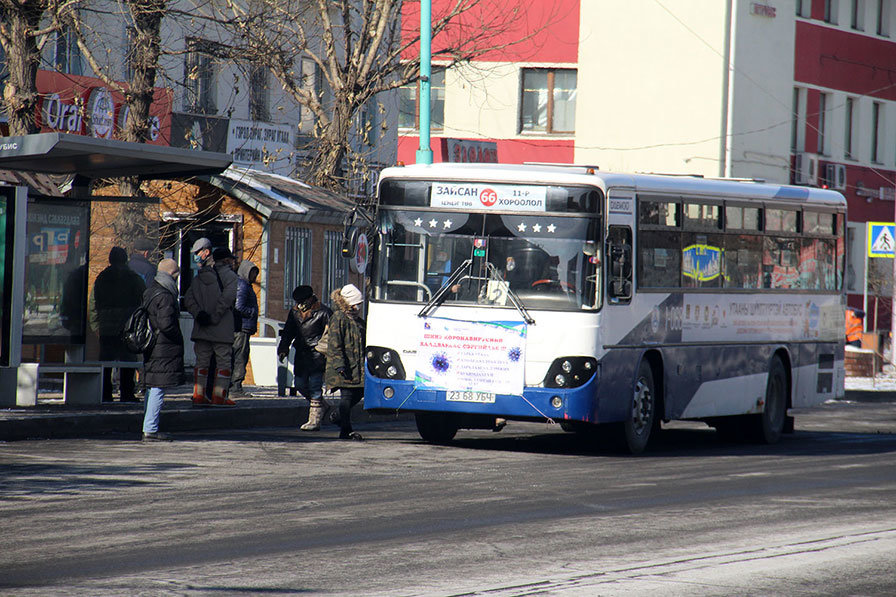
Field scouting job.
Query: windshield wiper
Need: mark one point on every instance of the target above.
(439, 297)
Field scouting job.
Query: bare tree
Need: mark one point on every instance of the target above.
(23, 33)
(360, 49)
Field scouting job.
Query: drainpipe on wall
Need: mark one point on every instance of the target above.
(727, 95)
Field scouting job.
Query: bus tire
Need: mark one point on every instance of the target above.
(642, 417)
(770, 424)
(436, 428)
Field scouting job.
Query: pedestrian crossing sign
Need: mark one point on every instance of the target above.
(881, 239)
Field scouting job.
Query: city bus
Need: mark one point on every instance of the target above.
(605, 302)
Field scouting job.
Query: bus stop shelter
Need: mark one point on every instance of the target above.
(37, 236)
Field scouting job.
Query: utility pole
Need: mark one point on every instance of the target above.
(424, 153)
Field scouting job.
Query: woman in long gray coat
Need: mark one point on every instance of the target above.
(164, 364)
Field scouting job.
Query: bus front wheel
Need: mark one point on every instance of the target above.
(642, 419)
(436, 428)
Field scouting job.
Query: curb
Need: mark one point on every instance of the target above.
(56, 424)
(870, 396)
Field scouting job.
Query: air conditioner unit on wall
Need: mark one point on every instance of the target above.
(805, 170)
(835, 176)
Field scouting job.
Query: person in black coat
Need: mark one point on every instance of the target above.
(305, 326)
(164, 364)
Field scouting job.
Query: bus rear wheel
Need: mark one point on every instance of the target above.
(770, 424)
(642, 419)
(436, 428)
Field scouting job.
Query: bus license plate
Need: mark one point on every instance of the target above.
(467, 396)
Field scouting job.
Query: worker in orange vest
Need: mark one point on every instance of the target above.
(854, 326)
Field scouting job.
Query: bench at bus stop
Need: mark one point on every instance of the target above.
(82, 382)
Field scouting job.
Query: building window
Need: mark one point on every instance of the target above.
(549, 101)
(876, 118)
(848, 128)
(822, 121)
(409, 102)
(259, 102)
(66, 53)
(857, 20)
(200, 78)
(296, 261)
(831, 7)
(796, 120)
(883, 18)
(130, 41)
(335, 272)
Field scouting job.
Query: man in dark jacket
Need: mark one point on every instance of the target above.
(117, 292)
(164, 364)
(305, 325)
(245, 322)
(140, 260)
(210, 299)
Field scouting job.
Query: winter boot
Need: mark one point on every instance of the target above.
(199, 378)
(219, 390)
(316, 414)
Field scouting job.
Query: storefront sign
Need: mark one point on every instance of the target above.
(465, 150)
(83, 106)
(261, 145)
(471, 356)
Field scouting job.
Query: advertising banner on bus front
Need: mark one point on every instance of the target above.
(472, 356)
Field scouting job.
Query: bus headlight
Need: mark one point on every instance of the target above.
(384, 363)
(570, 372)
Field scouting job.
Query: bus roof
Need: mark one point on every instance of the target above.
(644, 183)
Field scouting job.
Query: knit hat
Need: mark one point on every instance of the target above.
(202, 243)
(302, 293)
(144, 244)
(222, 253)
(352, 295)
(169, 266)
(118, 256)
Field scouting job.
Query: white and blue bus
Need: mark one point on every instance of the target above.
(605, 302)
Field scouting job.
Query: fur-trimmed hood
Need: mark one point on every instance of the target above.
(340, 303)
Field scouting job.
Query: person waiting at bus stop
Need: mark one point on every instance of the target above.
(305, 326)
(210, 300)
(854, 326)
(164, 363)
(345, 355)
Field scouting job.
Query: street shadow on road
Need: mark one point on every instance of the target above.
(30, 480)
(675, 443)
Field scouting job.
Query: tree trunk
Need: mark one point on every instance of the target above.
(20, 91)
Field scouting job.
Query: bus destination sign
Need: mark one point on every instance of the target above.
(488, 196)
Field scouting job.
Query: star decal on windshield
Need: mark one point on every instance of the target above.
(447, 224)
(551, 228)
(536, 228)
(418, 222)
(433, 223)
(521, 227)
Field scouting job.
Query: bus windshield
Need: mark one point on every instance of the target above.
(548, 261)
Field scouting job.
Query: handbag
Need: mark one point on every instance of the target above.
(321, 345)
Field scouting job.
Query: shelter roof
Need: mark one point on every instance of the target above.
(61, 153)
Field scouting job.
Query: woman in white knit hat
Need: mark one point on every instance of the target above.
(345, 354)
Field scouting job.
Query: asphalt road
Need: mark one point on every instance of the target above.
(529, 510)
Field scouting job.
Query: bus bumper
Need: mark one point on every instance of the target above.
(575, 404)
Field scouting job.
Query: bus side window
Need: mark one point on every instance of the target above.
(619, 258)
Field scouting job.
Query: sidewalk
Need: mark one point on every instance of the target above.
(51, 419)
